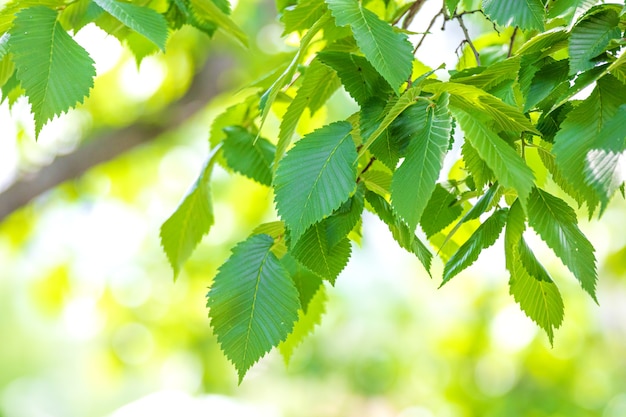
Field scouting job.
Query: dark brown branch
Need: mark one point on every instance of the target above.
(110, 145)
(508, 55)
(468, 39)
(430, 26)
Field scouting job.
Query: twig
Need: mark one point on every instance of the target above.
(430, 25)
(511, 43)
(412, 12)
(468, 39)
(368, 166)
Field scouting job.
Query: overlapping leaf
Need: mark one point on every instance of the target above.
(440, 211)
(590, 37)
(9, 10)
(55, 71)
(527, 14)
(318, 84)
(357, 75)
(508, 167)
(307, 320)
(253, 303)
(303, 15)
(580, 133)
(307, 282)
(315, 177)
(183, 230)
(483, 237)
(414, 181)
(556, 223)
(208, 10)
(399, 230)
(249, 155)
(143, 20)
(530, 284)
(388, 51)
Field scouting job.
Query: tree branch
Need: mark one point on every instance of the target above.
(110, 145)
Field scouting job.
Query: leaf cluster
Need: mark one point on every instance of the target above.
(388, 156)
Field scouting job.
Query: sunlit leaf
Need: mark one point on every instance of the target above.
(315, 177)
(483, 237)
(527, 14)
(183, 230)
(414, 181)
(388, 51)
(590, 37)
(253, 303)
(208, 10)
(143, 20)
(441, 210)
(56, 72)
(556, 223)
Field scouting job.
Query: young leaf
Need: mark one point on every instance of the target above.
(248, 155)
(530, 284)
(9, 10)
(414, 181)
(399, 230)
(440, 211)
(143, 20)
(314, 252)
(590, 37)
(307, 320)
(315, 177)
(318, 84)
(357, 75)
(508, 167)
(556, 223)
(303, 15)
(55, 71)
(527, 14)
(483, 237)
(183, 230)
(208, 10)
(388, 51)
(476, 166)
(252, 303)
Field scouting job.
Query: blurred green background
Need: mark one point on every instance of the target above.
(93, 324)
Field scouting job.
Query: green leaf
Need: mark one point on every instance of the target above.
(184, 229)
(527, 14)
(545, 81)
(569, 8)
(4, 45)
(556, 223)
(477, 167)
(55, 71)
(315, 177)
(306, 281)
(476, 101)
(248, 155)
(485, 203)
(303, 15)
(603, 162)
(318, 84)
(451, 6)
(314, 252)
(357, 75)
(9, 10)
(530, 284)
(545, 41)
(307, 320)
(388, 51)
(414, 181)
(618, 68)
(440, 211)
(143, 20)
(485, 236)
(493, 75)
(393, 109)
(345, 218)
(392, 143)
(580, 134)
(399, 230)
(7, 69)
(208, 10)
(252, 303)
(509, 168)
(590, 37)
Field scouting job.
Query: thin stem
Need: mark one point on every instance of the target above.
(468, 39)
(368, 166)
(430, 25)
(512, 41)
(412, 12)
